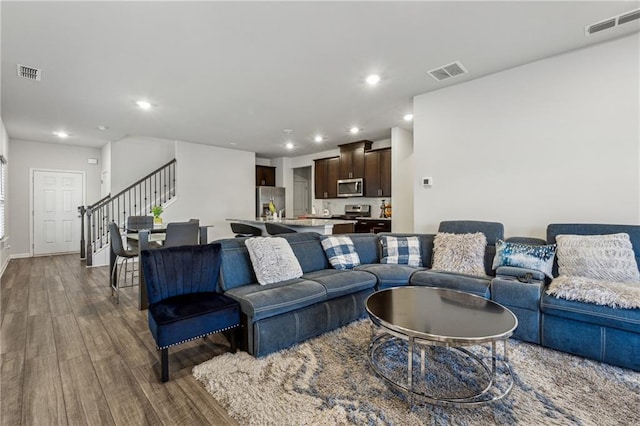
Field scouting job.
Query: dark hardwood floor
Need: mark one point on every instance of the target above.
(70, 355)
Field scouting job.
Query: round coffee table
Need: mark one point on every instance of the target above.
(404, 318)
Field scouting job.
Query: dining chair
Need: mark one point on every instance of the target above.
(244, 230)
(182, 233)
(183, 304)
(275, 229)
(125, 256)
(136, 223)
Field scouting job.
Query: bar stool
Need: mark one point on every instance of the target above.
(244, 230)
(125, 256)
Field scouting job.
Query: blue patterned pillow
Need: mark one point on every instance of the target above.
(538, 258)
(401, 250)
(341, 252)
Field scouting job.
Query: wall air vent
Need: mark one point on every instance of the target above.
(448, 71)
(30, 73)
(634, 15)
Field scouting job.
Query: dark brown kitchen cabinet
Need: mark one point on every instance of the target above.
(326, 177)
(265, 176)
(373, 226)
(377, 173)
(352, 159)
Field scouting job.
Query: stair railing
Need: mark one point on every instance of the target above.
(156, 188)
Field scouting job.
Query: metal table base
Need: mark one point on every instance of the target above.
(498, 369)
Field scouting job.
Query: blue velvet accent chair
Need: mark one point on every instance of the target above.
(183, 302)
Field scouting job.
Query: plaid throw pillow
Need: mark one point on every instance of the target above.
(401, 250)
(341, 252)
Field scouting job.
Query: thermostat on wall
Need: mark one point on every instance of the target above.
(92, 161)
(427, 181)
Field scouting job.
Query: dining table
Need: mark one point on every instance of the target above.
(148, 239)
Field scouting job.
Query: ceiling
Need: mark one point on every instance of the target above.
(237, 74)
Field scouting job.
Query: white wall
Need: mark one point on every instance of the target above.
(134, 157)
(105, 170)
(26, 155)
(6, 243)
(213, 184)
(555, 140)
(402, 179)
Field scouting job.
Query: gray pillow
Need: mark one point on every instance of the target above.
(272, 259)
(459, 253)
(603, 257)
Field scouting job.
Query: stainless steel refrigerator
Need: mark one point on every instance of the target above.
(265, 194)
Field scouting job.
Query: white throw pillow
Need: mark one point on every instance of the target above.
(340, 251)
(602, 257)
(272, 259)
(459, 253)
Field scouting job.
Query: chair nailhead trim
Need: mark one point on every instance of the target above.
(198, 337)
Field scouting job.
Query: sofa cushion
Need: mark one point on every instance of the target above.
(272, 259)
(340, 282)
(603, 257)
(624, 319)
(459, 253)
(367, 246)
(400, 250)
(259, 301)
(192, 315)
(600, 292)
(536, 257)
(390, 275)
(340, 251)
(307, 248)
(453, 281)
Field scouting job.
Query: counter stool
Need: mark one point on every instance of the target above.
(125, 256)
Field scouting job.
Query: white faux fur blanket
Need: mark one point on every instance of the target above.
(607, 293)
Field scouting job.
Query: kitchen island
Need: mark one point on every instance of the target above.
(321, 226)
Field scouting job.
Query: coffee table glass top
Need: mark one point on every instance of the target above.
(440, 315)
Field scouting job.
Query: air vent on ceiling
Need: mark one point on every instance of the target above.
(29, 73)
(612, 22)
(448, 71)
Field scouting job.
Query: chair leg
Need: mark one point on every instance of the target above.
(164, 361)
(233, 339)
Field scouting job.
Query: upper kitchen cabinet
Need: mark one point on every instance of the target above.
(326, 177)
(265, 176)
(352, 159)
(377, 169)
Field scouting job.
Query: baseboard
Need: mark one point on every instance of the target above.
(20, 255)
(4, 267)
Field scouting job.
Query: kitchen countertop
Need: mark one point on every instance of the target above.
(321, 226)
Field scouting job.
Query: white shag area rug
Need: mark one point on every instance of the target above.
(328, 381)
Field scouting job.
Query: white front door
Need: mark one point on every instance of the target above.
(56, 225)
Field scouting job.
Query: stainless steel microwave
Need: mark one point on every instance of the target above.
(350, 188)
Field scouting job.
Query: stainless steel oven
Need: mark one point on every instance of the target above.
(350, 188)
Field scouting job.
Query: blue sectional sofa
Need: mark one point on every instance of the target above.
(593, 331)
(279, 315)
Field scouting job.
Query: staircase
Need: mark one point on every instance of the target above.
(156, 188)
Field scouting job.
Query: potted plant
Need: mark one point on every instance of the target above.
(157, 211)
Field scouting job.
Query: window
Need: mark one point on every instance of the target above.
(3, 178)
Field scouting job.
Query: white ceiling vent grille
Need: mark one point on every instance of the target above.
(634, 15)
(448, 71)
(30, 73)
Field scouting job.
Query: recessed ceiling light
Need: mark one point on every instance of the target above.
(143, 105)
(408, 117)
(373, 79)
(289, 145)
(61, 134)
(354, 130)
(103, 128)
(318, 138)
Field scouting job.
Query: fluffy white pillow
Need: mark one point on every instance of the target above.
(459, 253)
(272, 259)
(602, 257)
